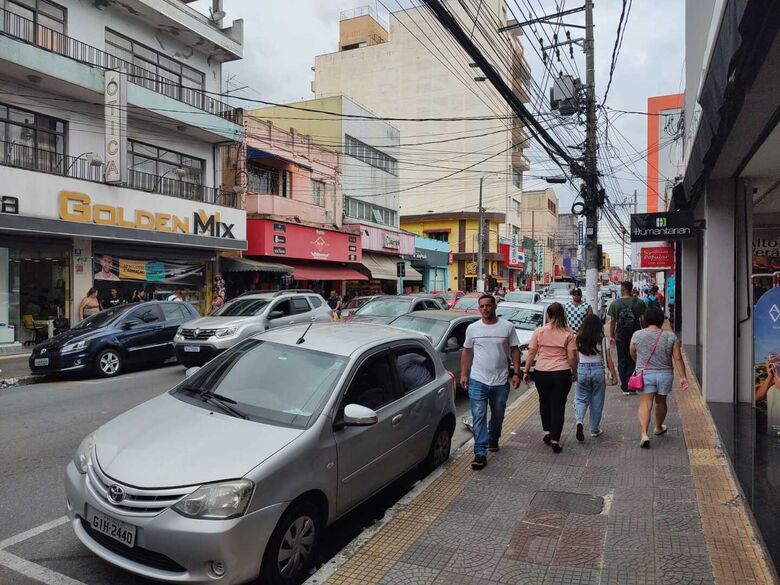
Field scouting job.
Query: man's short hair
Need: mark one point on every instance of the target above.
(627, 286)
(575, 291)
(487, 296)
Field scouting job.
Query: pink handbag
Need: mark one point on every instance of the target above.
(637, 381)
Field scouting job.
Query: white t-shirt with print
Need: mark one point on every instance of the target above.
(491, 345)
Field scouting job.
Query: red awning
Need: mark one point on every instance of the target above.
(308, 272)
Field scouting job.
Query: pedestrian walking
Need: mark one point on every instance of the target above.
(554, 348)
(656, 353)
(484, 371)
(593, 359)
(89, 305)
(624, 319)
(576, 309)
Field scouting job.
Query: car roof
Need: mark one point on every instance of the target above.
(340, 338)
(529, 306)
(441, 315)
(274, 294)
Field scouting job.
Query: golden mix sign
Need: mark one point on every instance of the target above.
(79, 207)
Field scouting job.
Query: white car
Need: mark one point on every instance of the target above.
(525, 317)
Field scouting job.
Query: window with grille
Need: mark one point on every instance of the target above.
(32, 140)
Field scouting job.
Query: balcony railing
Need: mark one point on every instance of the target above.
(20, 28)
(54, 163)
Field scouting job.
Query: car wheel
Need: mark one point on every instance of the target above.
(440, 448)
(292, 547)
(108, 363)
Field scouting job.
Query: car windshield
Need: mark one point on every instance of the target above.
(467, 303)
(103, 318)
(241, 308)
(270, 382)
(527, 319)
(384, 308)
(520, 297)
(433, 328)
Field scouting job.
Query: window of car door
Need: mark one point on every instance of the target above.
(174, 311)
(373, 386)
(145, 315)
(430, 304)
(419, 306)
(415, 368)
(285, 306)
(300, 305)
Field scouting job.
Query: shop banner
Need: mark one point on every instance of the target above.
(766, 250)
(655, 256)
(766, 349)
(109, 268)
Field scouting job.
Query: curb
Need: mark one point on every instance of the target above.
(328, 569)
(21, 381)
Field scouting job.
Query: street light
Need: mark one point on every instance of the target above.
(93, 159)
(178, 171)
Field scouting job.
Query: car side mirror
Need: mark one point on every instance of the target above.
(190, 371)
(356, 415)
(130, 323)
(275, 315)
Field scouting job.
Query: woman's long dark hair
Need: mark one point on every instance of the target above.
(590, 335)
(556, 316)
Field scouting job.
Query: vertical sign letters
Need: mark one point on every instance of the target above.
(116, 125)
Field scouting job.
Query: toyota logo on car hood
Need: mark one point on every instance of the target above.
(116, 494)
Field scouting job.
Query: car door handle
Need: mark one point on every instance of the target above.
(397, 419)
(440, 392)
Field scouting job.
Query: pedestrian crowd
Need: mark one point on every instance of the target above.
(572, 348)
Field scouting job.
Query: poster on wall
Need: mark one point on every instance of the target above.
(114, 269)
(766, 351)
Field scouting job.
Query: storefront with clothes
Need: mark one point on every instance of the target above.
(383, 248)
(56, 244)
(301, 256)
(431, 259)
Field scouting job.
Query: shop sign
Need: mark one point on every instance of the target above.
(652, 257)
(393, 242)
(766, 250)
(110, 268)
(471, 268)
(268, 238)
(78, 207)
(9, 204)
(662, 227)
(116, 125)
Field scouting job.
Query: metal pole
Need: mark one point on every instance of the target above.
(591, 184)
(533, 243)
(480, 250)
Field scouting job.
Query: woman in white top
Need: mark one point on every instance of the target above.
(591, 384)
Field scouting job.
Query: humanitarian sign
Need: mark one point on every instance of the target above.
(662, 227)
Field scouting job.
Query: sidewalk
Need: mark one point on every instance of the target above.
(603, 512)
(14, 367)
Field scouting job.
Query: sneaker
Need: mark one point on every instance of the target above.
(596, 433)
(580, 433)
(493, 446)
(556, 447)
(480, 461)
(546, 439)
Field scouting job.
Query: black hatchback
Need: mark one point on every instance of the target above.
(109, 341)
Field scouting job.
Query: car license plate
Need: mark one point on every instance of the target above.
(124, 533)
(192, 348)
(41, 361)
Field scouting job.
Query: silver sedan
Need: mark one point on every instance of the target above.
(235, 472)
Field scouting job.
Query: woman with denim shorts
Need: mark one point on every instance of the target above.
(658, 366)
(591, 383)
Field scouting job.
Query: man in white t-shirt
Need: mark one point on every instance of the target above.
(486, 351)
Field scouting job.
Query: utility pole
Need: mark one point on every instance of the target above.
(591, 178)
(533, 243)
(480, 244)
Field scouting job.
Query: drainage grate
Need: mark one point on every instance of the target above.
(568, 502)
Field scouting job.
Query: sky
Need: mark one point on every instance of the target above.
(282, 38)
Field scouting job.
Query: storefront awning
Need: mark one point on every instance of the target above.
(384, 267)
(248, 265)
(309, 272)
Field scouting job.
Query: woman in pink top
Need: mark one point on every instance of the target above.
(555, 349)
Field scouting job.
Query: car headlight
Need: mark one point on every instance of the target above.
(81, 458)
(71, 347)
(227, 331)
(217, 501)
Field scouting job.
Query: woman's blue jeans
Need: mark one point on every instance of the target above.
(589, 392)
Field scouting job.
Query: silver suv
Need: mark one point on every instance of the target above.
(198, 341)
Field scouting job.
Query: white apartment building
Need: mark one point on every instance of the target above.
(406, 71)
(109, 155)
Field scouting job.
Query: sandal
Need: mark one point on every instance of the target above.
(644, 443)
(660, 431)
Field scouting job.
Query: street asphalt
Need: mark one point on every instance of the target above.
(41, 425)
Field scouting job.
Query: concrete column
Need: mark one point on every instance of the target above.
(689, 291)
(744, 294)
(82, 275)
(718, 295)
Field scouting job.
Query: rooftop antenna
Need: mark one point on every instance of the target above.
(301, 338)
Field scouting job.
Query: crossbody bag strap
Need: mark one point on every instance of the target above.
(657, 339)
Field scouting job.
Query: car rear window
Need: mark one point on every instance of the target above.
(316, 301)
(433, 328)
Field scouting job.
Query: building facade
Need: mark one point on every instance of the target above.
(370, 182)
(569, 244)
(110, 156)
(726, 286)
(389, 72)
(461, 231)
(539, 213)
